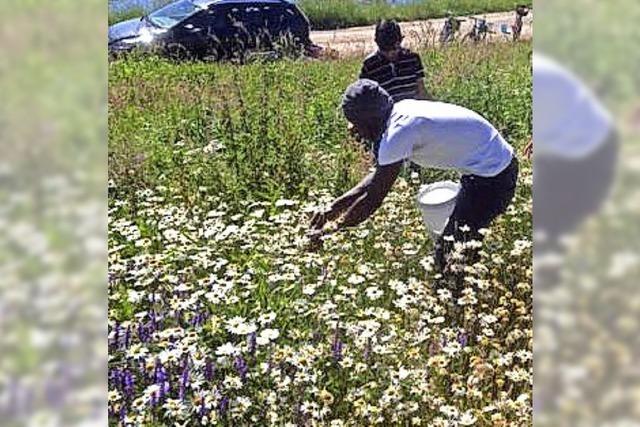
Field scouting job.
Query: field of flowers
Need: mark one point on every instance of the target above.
(218, 312)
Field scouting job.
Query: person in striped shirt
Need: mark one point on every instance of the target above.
(398, 70)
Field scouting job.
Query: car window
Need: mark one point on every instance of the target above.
(296, 23)
(199, 22)
(216, 21)
(173, 13)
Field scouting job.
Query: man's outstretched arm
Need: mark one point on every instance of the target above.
(375, 189)
(341, 204)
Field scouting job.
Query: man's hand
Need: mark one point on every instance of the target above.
(359, 203)
(315, 240)
(340, 205)
(321, 218)
(318, 221)
(376, 187)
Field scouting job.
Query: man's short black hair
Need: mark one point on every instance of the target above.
(388, 34)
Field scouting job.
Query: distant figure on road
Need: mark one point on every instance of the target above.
(398, 70)
(521, 12)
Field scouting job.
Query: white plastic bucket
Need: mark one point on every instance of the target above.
(436, 202)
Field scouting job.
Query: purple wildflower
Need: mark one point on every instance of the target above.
(433, 348)
(14, 399)
(463, 339)
(336, 350)
(116, 336)
(28, 399)
(163, 382)
(252, 343)
(127, 383)
(203, 409)
(115, 377)
(199, 319)
(184, 381)
(123, 414)
(367, 350)
(142, 333)
(241, 367)
(209, 370)
(336, 346)
(155, 399)
(142, 367)
(127, 337)
(223, 406)
(157, 371)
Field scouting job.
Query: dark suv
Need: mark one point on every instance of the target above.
(215, 29)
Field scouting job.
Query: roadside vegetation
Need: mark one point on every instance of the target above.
(332, 14)
(281, 115)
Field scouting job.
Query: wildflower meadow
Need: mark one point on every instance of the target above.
(219, 314)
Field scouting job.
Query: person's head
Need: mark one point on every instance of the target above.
(367, 106)
(388, 38)
(522, 10)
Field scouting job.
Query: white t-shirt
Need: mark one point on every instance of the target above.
(568, 121)
(443, 136)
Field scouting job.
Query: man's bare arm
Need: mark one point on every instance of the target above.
(376, 188)
(341, 203)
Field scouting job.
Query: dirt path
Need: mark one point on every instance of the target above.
(358, 41)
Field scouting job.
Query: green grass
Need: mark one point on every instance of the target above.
(331, 14)
(282, 116)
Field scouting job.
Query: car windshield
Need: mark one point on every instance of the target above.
(172, 14)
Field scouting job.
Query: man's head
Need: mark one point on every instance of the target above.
(367, 106)
(388, 38)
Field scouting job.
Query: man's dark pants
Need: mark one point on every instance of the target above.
(479, 202)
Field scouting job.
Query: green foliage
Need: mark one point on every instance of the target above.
(214, 171)
(331, 14)
(274, 129)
